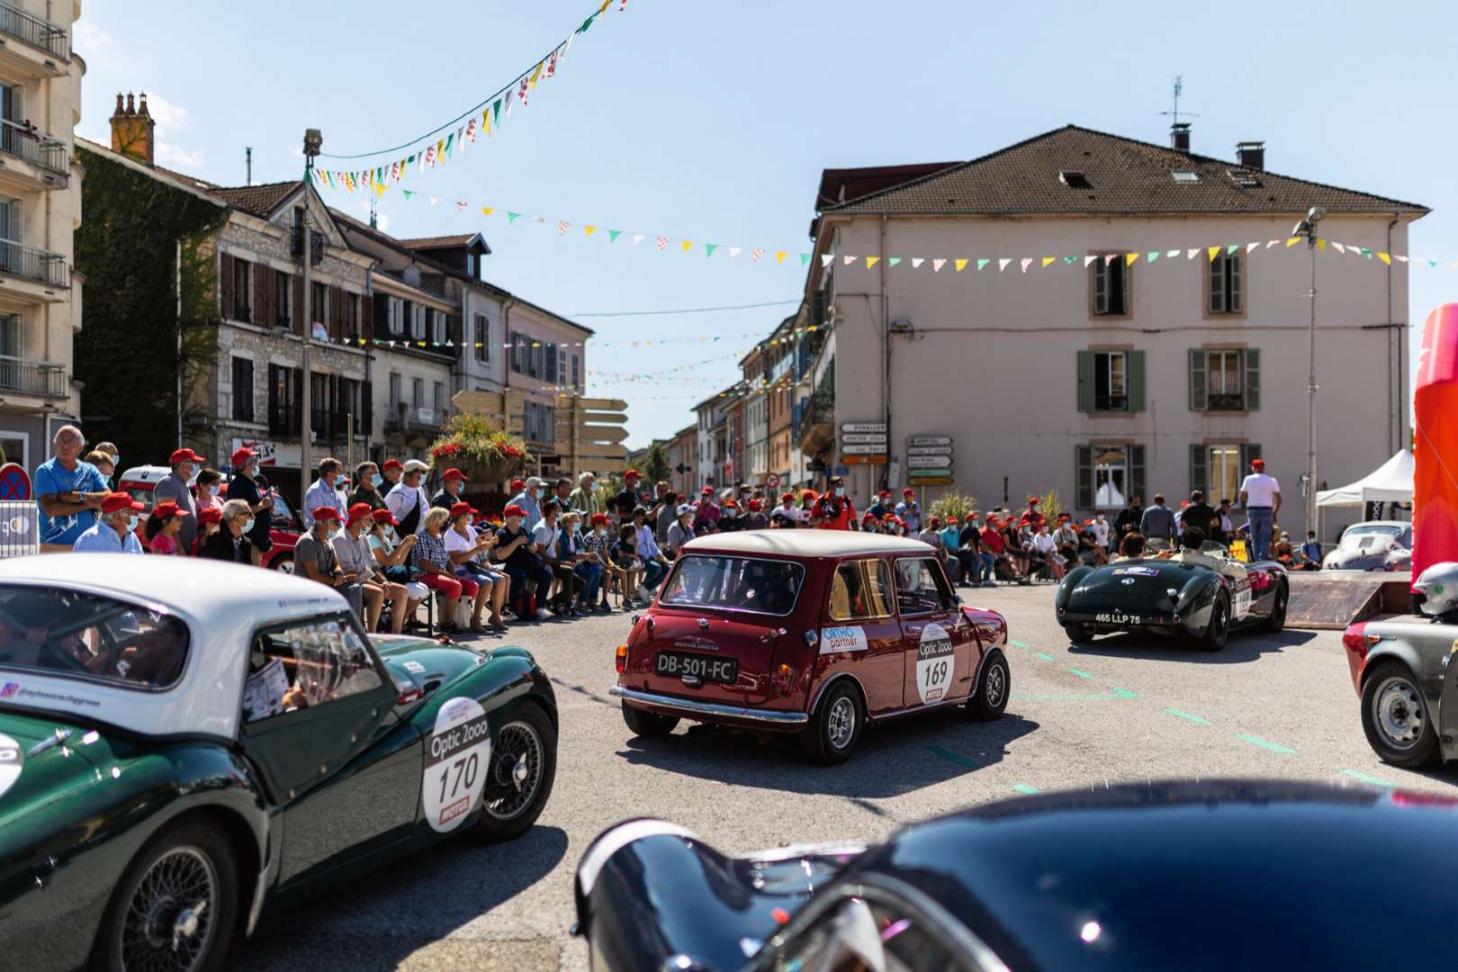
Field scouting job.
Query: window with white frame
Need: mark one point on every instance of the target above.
(417, 320)
(1225, 290)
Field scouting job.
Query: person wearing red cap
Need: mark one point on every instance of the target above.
(116, 530)
(834, 510)
(530, 577)
(1261, 496)
(315, 559)
(68, 491)
(452, 489)
(706, 516)
(248, 487)
(392, 556)
(470, 550)
(910, 511)
(597, 544)
(230, 543)
(628, 498)
(787, 514)
(882, 506)
(355, 558)
(209, 521)
(754, 518)
(1032, 517)
(390, 471)
(164, 524)
(176, 486)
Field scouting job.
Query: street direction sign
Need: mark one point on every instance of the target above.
(914, 451)
(864, 438)
(863, 450)
(928, 440)
(863, 427)
(919, 463)
(871, 460)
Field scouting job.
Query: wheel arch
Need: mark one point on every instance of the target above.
(826, 685)
(987, 654)
(249, 856)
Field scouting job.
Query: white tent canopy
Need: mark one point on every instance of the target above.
(1390, 482)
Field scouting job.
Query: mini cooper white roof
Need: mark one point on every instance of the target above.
(222, 605)
(805, 543)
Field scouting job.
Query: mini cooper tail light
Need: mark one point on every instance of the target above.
(785, 680)
(621, 660)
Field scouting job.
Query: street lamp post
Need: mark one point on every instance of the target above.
(1307, 229)
(313, 142)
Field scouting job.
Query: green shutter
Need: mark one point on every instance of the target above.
(1136, 381)
(1199, 401)
(1085, 477)
(1136, 471)
(1252, 379)
(1085, 381)
(1199, 473)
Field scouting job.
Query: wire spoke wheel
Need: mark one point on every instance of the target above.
(169, 923)
(516, 771)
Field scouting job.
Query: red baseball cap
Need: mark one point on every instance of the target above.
(210, 514)
(1257, 464)
(241, 456)
(755, 506)
(809, 494)
(460, 509)
(360, 511)
(884, 492)
(731, 504)
(707, 491)
(513, 510)
(632, 474)
(597, 518)
(167, 509)
(1033, 501)
(786, 496)
(184, 455)
(517, 485)
(908, 491)
(389, 464)
(120, 501)
(453, 473)
(969, 517)
(325, 513)
(384, 516)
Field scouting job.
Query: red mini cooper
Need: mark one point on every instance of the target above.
(815, 632)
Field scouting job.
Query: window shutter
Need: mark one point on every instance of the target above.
(367, 317)
(296, 288)
(1235, 271)
(1086, 381)
(1199, 401)
(1215, 299)
(367, 406)
(1199, 472)
(225, 289)
(1252, 358)
(260, 280)
(1136, 471)
(297, 426)
(1100, 286)
(337, 315)
(1084, 471)
(1136, 380)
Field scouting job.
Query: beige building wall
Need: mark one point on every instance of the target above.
(991, 357)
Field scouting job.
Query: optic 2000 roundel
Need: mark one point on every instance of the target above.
(457, 758)
(12, 760)
(936, 663)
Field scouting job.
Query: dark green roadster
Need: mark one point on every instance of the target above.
(185, 744)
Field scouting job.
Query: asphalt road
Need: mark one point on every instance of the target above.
(1120, 709)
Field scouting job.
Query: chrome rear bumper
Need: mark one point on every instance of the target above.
(711, 710)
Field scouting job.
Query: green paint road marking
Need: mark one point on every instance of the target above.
(952, 757)
(1063, 697)
(1188, 717)
(1123, 693)
(1265, 744)
(1025, 789)
(1044, 656)
(1361, 777)
(1081, 673)
(1018, 644)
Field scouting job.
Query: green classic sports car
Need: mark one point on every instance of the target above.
(186, 743)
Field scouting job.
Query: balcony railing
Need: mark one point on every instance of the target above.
(283, 420)
(45, 379)
(25, 142)
(408, 418)
(33, 264)
(332, 425)
(36, 32)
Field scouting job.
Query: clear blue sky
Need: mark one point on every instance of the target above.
(712, 121)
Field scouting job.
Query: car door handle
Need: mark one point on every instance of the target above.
(913, 628)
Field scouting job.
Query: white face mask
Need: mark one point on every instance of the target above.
(840, 491)
(131, 523)
(248, 526)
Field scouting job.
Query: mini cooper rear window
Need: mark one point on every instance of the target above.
(74, 634)
(734, 583)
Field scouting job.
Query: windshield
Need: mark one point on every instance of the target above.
(72, 634)
(734, 583)
(1375, 529)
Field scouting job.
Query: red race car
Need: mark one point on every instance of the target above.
(815, 632)
(140, 481)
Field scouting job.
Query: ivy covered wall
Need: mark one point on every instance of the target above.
(126, 352)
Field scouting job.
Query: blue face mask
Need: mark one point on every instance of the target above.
(247, 526)
(376, 480)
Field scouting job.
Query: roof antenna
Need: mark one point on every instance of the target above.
(248, 164)
(1174, 113)
(1179, 132)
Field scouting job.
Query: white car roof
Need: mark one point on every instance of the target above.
(222, 604)
(805, 543)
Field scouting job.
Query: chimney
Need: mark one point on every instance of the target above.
(1179, 136)
(1252, 155)
(132, 129)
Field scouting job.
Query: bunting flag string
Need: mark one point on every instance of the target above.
(404, 343)
(438, 146)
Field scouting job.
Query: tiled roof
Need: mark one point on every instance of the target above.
(1122, 175)
(438, 242)
(260, 200)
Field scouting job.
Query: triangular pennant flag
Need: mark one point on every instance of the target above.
(1230, 250)
(1002, 263)
(871, 261)
(960, 264)
(1109, 259)
(589, 230)
(982, 262)
(434, 200)
(938, 263)
(850, 259)
(540, 219)
(709, 249)
(1130, 258)
(1190, 253)
(1366, 253)
(1213, 251)
(1070, 260)
(1385, 258)
(1026, 262)
(804, 259)
(380, 188)
(1090, 259)
(916, 262)
(1399, 258)
(1321, 244)
(638, 238)
(780, 256)
(1433, 264)
(734, 251)
(1292, 241)
(1048, 261)
(892, 261)
(449, 144)
(613, 235)
(1250, 247)
(826, 259)
(407, 193)
(496, 112)
(1338, 247)
(512, 217)
(1171, 254)
(1151, 256)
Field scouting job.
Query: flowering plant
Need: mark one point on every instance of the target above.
(473, 440)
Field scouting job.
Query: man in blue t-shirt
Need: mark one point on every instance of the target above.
(68, 491)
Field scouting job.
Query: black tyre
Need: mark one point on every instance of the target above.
(990, 695)
(1277, 621)
(648, 725)
(1217, 629)
(283, 563)
(176, 907)
(835, 728)
(523, 769)
(1078, 631)
(1395, 717)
